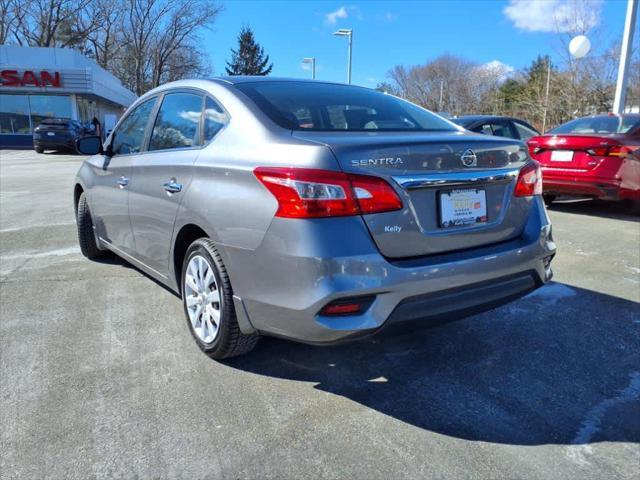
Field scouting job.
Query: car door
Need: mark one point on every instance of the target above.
(161, 175)
(110, 192)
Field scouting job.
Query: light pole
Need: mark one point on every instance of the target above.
(312, 61)
(625, 56)
(347, 32)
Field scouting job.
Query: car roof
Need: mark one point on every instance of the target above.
(473, 118)
(238, 79)
(635, 116)
(56, 120)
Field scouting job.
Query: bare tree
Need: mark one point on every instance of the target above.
(156, 30)
(46, 23)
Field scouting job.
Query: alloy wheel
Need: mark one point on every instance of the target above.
(202, 298)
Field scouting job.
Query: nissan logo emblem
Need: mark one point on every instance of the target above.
(469, 158)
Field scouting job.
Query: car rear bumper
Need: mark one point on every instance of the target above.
(611, 179)
(301, 275)
(54, 144)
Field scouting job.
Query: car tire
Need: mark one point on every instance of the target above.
(86, 235)
(228, 340)
(548, 199)
(39, 150)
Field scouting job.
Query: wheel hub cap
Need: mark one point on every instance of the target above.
(202, 298)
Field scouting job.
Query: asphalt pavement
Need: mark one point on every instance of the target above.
(100, 378)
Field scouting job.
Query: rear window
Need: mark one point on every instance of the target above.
(328, 107)
(601, 124)
(56, 121)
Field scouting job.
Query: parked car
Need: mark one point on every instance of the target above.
(596, 156)
(313, 211)
(499, 126)
(57, 134)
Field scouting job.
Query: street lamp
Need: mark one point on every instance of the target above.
(346, 32)
(312, 61)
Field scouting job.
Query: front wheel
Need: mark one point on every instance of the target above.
(208, 303)
(86, 236)
(39, 150)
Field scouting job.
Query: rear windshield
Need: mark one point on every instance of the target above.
(601, 124)
(55, 121)
(329, 107)
(462, 121)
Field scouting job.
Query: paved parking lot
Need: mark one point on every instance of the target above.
(100, 378)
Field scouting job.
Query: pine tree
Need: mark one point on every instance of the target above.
(249, 59)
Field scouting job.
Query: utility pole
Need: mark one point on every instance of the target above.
(625, 56)
(546, 95)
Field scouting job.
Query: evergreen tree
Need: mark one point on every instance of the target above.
(249, 59)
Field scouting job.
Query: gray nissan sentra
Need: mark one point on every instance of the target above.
(314, 211)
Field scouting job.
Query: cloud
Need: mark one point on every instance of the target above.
(495, 69)
(498, 66)
(575, 16)
(332, 17)
(388, 17)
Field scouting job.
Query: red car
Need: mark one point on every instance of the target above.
(596, 156)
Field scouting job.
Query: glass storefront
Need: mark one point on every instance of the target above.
(19, 114)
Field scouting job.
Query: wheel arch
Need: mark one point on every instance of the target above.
(77, 191)
(188, 234)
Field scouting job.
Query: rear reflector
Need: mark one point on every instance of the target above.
(347, 306)
(313, 193)
(529, 181)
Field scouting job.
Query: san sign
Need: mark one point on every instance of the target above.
(29, 78)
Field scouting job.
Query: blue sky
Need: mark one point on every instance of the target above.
(387, 33)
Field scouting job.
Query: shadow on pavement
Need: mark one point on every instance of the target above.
(598, 208)
(560, 366)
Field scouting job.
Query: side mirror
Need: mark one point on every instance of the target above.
(91, 145)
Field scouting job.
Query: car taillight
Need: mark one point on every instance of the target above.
(529, 181)
(312, 193)
(615, 150)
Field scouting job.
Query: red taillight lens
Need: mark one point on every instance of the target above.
(312, 193)
(615, 150)
(529, 181)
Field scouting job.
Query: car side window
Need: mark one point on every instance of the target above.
(215, 119)
(129, 136)
(503, 129)
(484, 129)
(525, 132)
(177, 124)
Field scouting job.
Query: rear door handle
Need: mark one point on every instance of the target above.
(123, 181)
(172, 186)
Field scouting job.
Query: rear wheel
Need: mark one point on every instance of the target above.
(86, 236)
(39, 150)
(207, 297)
(548, 199)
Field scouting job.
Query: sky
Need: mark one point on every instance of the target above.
(388, 33)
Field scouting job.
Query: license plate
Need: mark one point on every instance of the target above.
(51, 134)
(561, 155)
(463, 207)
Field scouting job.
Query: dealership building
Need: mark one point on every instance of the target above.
(37, 83)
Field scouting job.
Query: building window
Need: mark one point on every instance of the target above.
(19, 113)
(47, 106)
(14, 114)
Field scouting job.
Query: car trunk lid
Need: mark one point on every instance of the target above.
(570, 151)
(436, 175)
